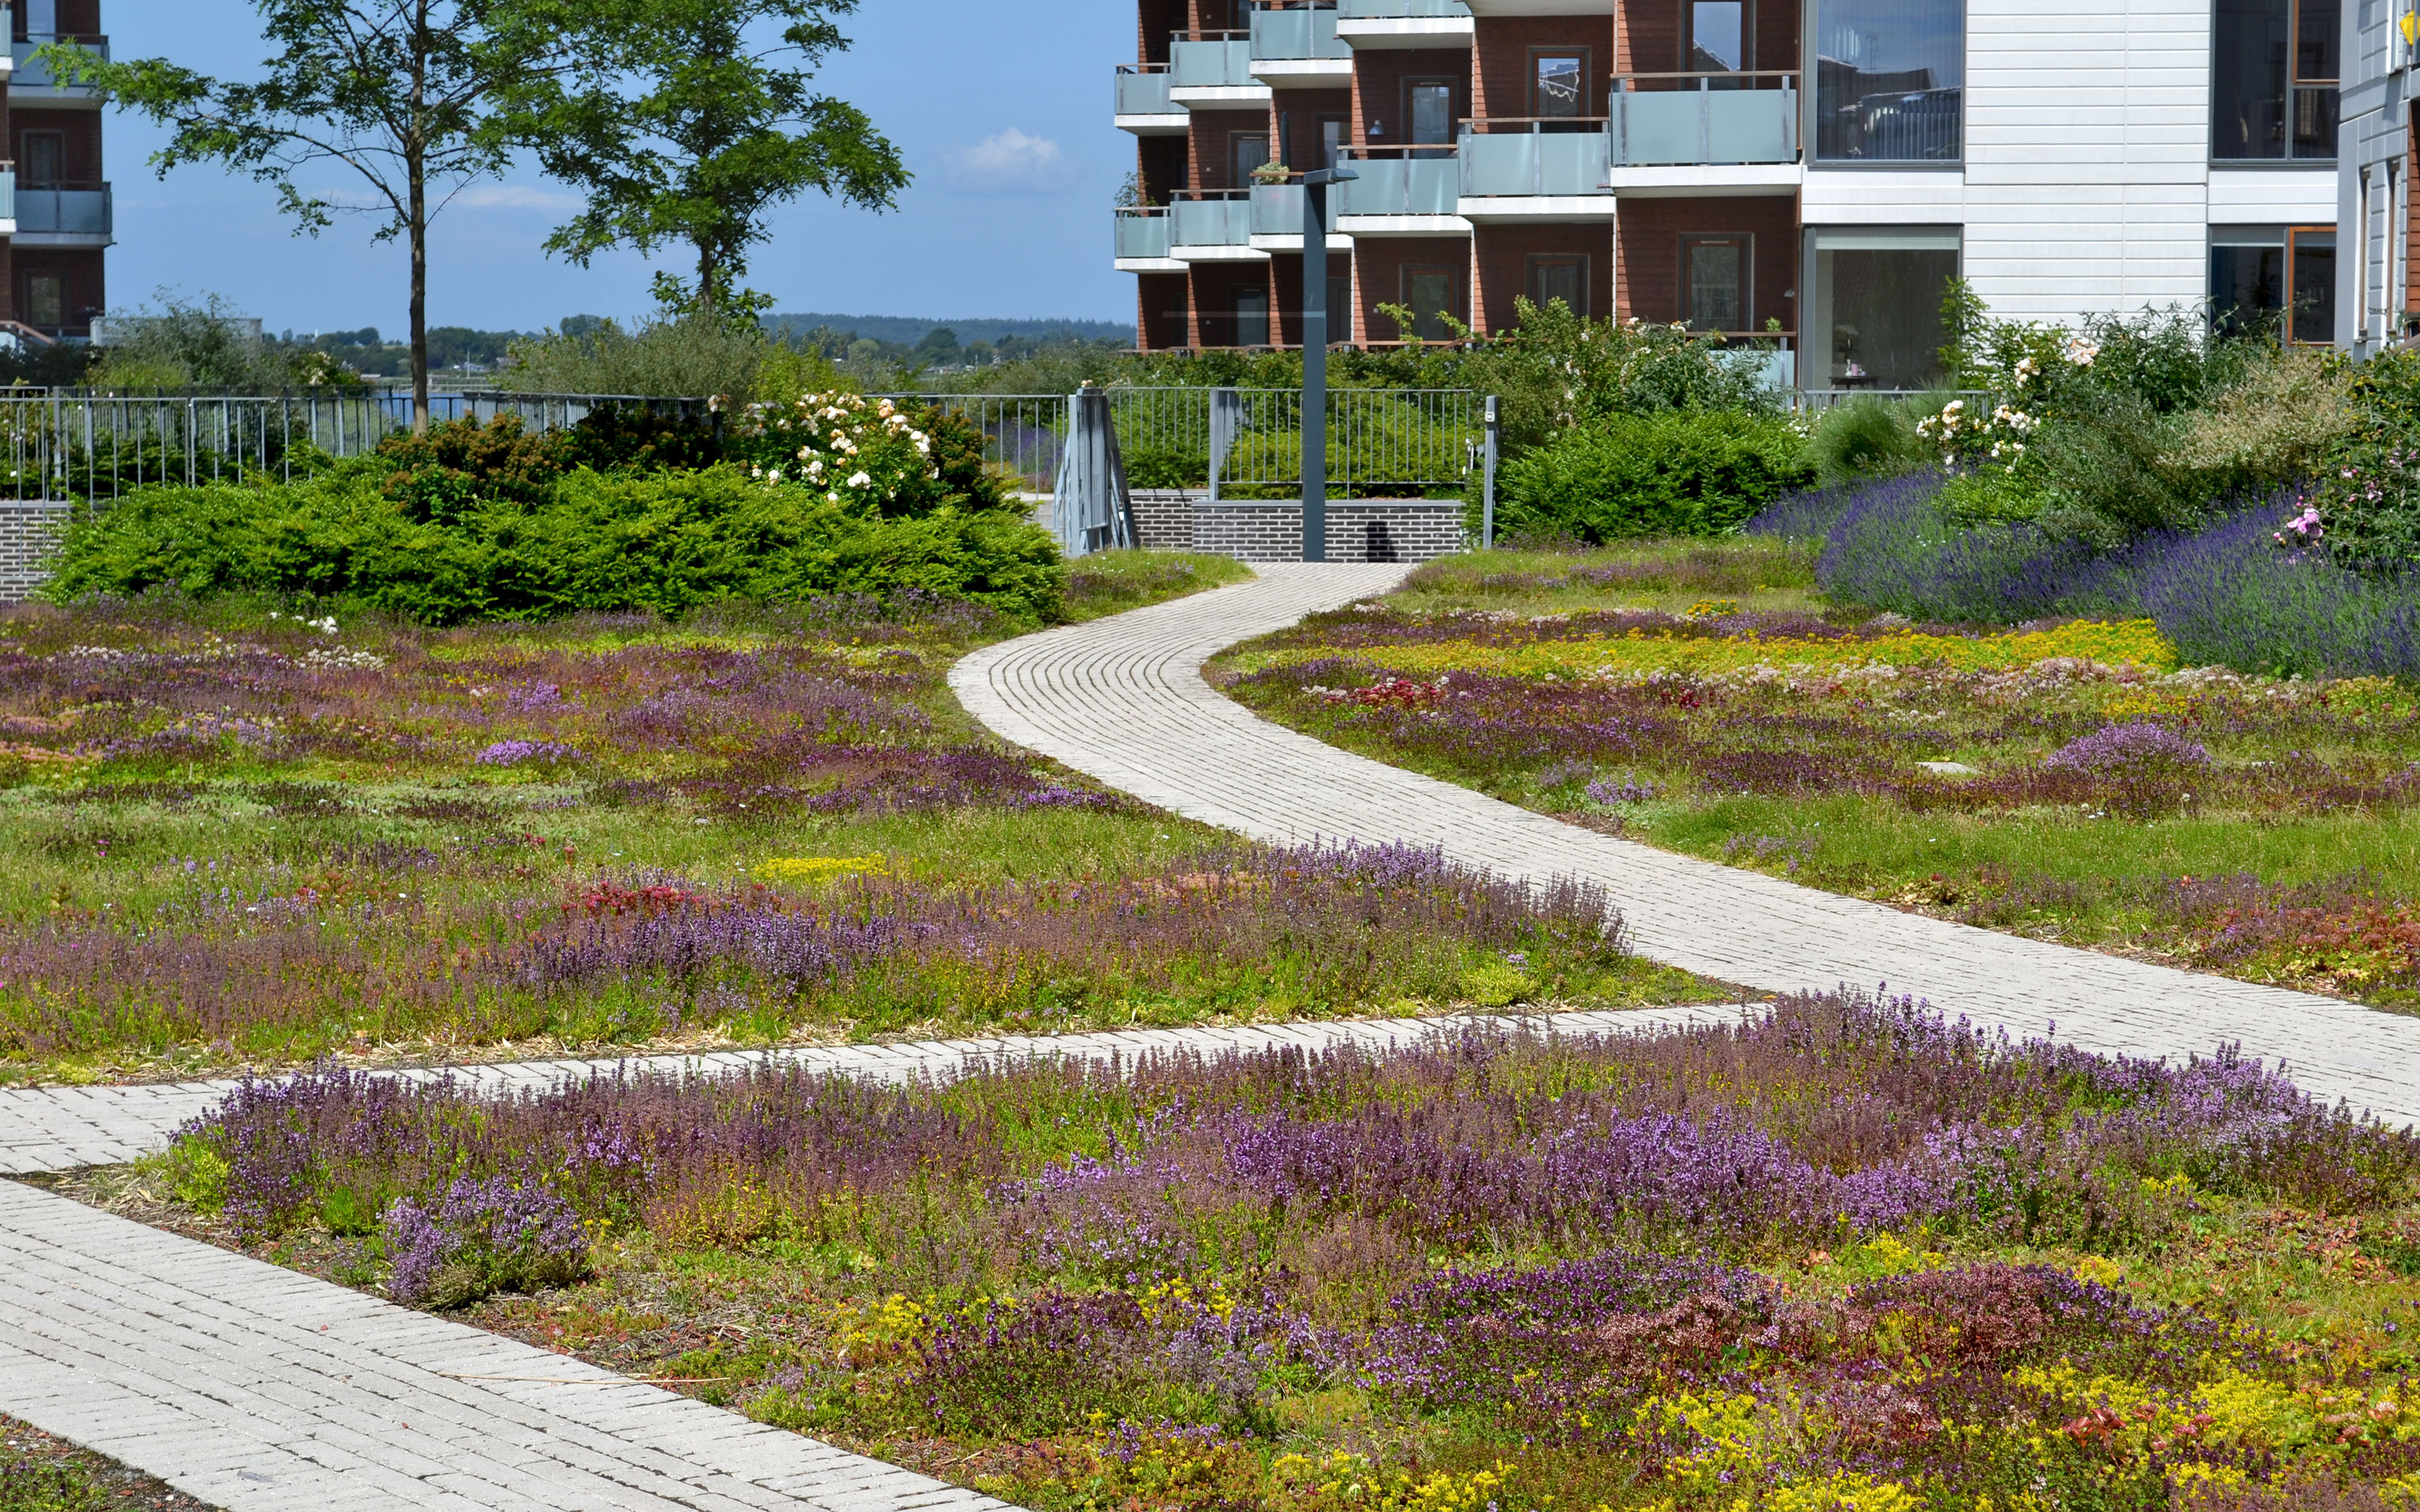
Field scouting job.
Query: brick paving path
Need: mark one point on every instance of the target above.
(1122, 699)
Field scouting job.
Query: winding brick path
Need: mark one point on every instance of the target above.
(1123, 700)
(262, 1390)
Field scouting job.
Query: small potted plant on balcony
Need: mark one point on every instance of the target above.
(1272, 172)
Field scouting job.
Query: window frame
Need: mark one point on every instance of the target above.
(1539, 259)
(1809, 117)
(1412, 84)
(2294, 82)
(1689, 34)
(1745, 241)
(2336, 288)
(1587, 57)
(1457, 304)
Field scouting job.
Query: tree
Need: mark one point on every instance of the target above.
(690, 123)
(411, 96)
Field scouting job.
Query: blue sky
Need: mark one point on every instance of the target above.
(1001, 110)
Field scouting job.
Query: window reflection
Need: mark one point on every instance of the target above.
(2274, 78)
(1889, 80)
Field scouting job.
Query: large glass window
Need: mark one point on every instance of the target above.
(1251, 317)
(1246, 151)
(1431, 112)
(1718, 37)
(1875, 320)
(2259, 273)
(1890, 79)
(2274, 80)
(1560, 277)
(1433, 293)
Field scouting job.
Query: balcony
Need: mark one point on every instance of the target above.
(1403, 23)
(1142, 233)
(30, 73)
(8, 198)
(1527, 169)
(1213, 225)
(1296, 47)
(1689, 132)
(1214, 69)
(1277, 218)
(1403, 191)
(63, 215)
(1143, 105)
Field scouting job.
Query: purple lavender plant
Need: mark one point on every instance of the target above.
(482, 1237)
(515, 752)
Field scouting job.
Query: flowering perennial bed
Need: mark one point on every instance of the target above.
(1847, 1256)
(242, 839)
(2071, 779)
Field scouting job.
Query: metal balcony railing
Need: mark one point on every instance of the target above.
(1211, 60)
(71, 210)
(1536, 156)
(1661, 118)
(1402, 181)
(1143, 90)
(1212, 218)
(1296, 33)
(1142, 231)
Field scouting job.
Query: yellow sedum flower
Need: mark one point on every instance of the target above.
(818, 868)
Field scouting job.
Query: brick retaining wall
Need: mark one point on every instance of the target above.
(1359, 529)
(29, 530)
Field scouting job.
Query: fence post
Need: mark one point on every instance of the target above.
(1487, 484)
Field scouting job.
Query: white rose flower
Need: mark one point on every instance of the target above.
(859, 480)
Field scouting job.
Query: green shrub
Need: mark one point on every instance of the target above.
(2274, 426)
(1677, 472)
(665, 542)
(1870, 437)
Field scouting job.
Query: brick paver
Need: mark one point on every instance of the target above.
(1123, 700)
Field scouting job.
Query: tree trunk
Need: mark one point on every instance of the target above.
(415, 167)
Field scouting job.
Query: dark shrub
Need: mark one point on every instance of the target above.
(1677, 472)
(459, 462)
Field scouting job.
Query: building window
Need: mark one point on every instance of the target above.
(1558, 87)
(1552, 278)
(1718, 37)
(45, 300)
(1714, 275)
(42, 157)
(1874, 319)
(1251, 317)
(1429, 106)
(1434, 295)
(1246, 151)
(2311, 284)
(2247, 277)
(1339, 307)
(1335, 135)
(2274, 80)
(1889, 80)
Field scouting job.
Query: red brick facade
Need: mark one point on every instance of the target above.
(52, 279)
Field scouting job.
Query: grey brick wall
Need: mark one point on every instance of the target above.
(1164, 517)
(28, 530)
(1359, 529)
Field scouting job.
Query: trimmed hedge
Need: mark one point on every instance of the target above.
(662, 540)
(1672, 472)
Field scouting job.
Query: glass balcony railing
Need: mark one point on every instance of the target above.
(1402, 181)
(31, 72)
(71, 210)
(1568, 155)
(1665, 118)
(1403, 11)
(7, 195)
(1216, 61)
(1277, 210)
(1297, 34)
(1144, 92)
(1142, 232)
(1213, 218)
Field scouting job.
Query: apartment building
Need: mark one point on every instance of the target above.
(2382, 298)
(1814, 170)
(52, 272)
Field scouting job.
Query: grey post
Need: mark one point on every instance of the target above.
(1487, 487)
(1314, 357)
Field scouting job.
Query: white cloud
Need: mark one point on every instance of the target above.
(1010, 162)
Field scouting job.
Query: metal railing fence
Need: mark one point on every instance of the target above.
(90, 444)
(1409, 438)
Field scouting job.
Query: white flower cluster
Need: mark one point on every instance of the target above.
(2081, 352)
(1998, 435)
(340, 658)
(842, 441)
(326, 624)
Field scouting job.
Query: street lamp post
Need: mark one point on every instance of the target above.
(1314, 357)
